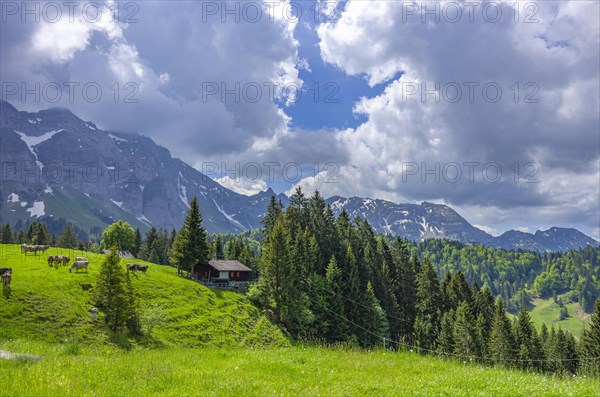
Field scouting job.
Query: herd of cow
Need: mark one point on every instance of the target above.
(80, 262)
(33, 248)
(133, 267)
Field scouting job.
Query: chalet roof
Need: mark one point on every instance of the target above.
(122, 254)
(229, 266)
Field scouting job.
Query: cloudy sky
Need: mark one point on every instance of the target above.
(490, 107)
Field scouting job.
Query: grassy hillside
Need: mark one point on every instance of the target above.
(547, 311)
(48, 304)
(268, 372)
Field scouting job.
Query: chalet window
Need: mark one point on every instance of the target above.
(205, 274)
(230, 274)
(238, 275)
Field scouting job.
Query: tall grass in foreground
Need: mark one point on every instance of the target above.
(65, 370)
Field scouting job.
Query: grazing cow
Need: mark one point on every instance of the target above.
(142, 268)
(136, 266)
(6, 279)
(5, 270)
(132, 267)
(50, 260)
(80, 258)
(79, 265)
(65, 260)
(43, 248)
(29, 248)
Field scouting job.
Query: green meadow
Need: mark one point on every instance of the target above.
(201, 341)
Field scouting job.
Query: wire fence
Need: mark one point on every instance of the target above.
(454, 355)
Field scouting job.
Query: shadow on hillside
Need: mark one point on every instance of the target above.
(6, 291)
(127, 341)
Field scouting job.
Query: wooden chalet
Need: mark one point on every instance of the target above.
(122, 254)
(223, 271)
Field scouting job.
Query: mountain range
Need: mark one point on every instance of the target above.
(56, 165)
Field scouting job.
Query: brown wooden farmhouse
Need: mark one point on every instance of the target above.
(223, 271)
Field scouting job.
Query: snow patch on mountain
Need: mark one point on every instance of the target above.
(182, 193)
(13, 198)
(117, 203)
(32, 141)
(144, 220)
(229, 217)
(116, 138)
(37, 209)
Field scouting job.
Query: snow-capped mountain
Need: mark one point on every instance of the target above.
(55, 164)
(58, 165)
(418, 222)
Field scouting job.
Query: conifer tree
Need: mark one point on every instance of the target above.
(484, 307)
(428, 296)
(353, 291)
(458, 290)
(464, 334)
(322, 225)
(298, 209)
(337, 325)
(274, 211)
(280, 275)
(502, 344)
(190, 247)
(527, 341)
(445, 341)
(318, 305)
(110, 294)
(405, 289)
(68, 239)
(218, 248)
(7, 237)
(376, 321)
(137, 243)
(590, 342)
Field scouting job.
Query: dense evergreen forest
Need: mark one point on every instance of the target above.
(334, 280)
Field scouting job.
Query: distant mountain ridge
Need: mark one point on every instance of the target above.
(55, 164)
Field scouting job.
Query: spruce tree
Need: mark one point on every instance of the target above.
(458, 290)
(464, 334)
(353, 291)
(428, 296)
(527, 341)
(190, 247)
(137, 243)
(279, 281)
(68, 238)
(376, 321)
(274, 211)
(445, 341)
(318, 304)
(502, 344)
(484, 307)
(110, 294)
(590, 343)
(7, 237)
(405, 288)
(337, 324)
(218, 248)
